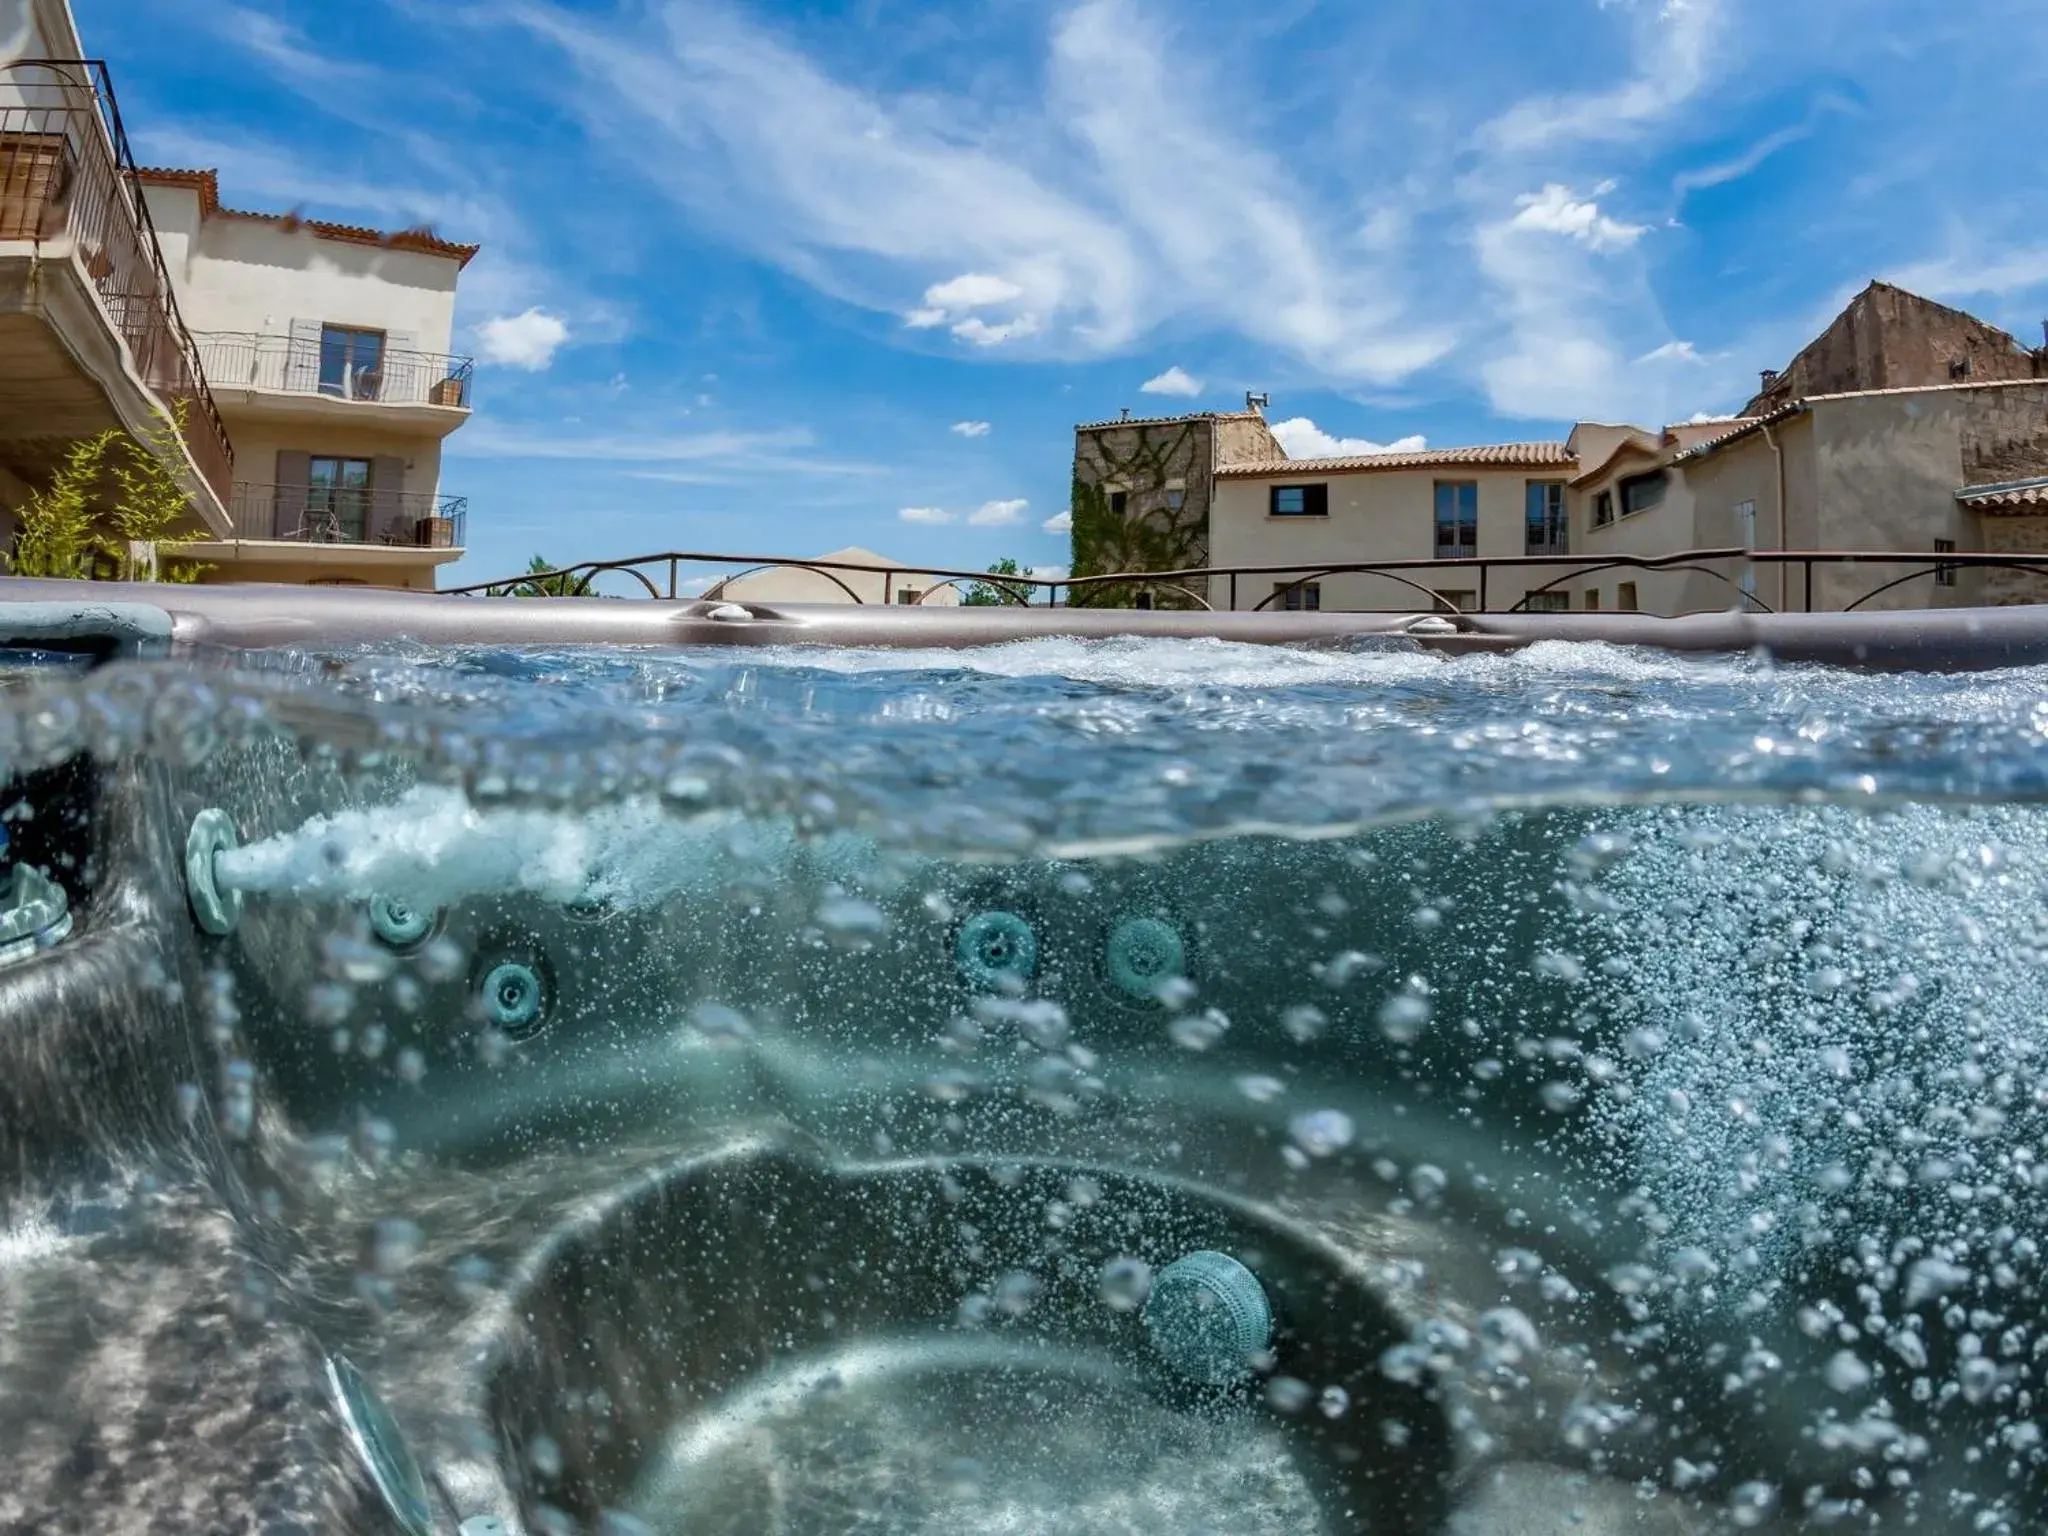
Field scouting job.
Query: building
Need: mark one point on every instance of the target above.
(91, 335)
(1143, 495)
(307, 361)
(326, 348)
(894, 583)
(1930, 437)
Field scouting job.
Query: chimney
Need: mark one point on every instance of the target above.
(1770, 377)
(1254, 402)
(1126, 414)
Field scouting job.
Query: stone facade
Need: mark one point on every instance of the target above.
(2009, 532)
(2005, 435)
(1888, 338)
(1142, 492)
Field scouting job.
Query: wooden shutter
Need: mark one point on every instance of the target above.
(388, 523)
(288, 501)
(302, 357)
(405, 376)
(1315, 500)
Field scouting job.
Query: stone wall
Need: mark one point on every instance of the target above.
(1888, 338)
(2005, 434)
(1152, 463)
(2001, 532)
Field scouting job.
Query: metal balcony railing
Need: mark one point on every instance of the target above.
(349, 515)
(67, 174)
(305, 366)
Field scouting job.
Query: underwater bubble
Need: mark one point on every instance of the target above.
(190, 1101)
(440, 960)
(1402, 1017)
(616, 1522)
(1289, 1394)
(1560, 967)
(1506, 1335)
(1750, 1504)
(1342, 969)
(850, 923)
(1016, 1293)
(1334, 1402)
(394, 1244)
(1321, 1132)
(1560, 1097)
(1125, 1283)
(328, 1003)
(1846, 1373)
(1427, 1183)
(717, 1022)
(1303, 1022)
(544, 1456)
(1931, 1277)
(411, 1066)
(1260, 1089)
(1198, 1031)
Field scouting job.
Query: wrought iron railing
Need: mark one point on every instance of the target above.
(349, 515)
(67, 174)
(303, 366)
(1017, 590)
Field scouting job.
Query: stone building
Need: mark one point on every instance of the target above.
(1143, 491)
(1888, 338)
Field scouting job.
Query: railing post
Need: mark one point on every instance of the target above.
(671, 578)
(1484, 566)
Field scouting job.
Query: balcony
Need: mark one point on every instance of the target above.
(297, 375)
(89, 312)
(346, 515)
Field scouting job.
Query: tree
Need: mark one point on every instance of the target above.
(545, 581)
(993, 594)
(82, 527)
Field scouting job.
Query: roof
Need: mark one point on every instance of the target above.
(1167, 421)
(1796, 407)
(2006, 495)
(1484, 456)
(207, 184)
(1627, 445)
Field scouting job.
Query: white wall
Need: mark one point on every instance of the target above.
(793, 584)
(236, 274)
(257, 444)
(1374, 515)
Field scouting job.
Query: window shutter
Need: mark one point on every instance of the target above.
(288, 496)
(302, 357)
(388, 524)
(1316, 500)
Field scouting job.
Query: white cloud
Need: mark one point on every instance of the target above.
(1674, 352)
(998, 514)
(1303, 439)
(1175, 381)
(1048, 572)
(1556, 211)
(982, 334)
(1673, 50)
(971, 428)
(1701, 418)
(928, 515)
(971, 290)
(924, 319)
(1739, 166)
(527, 340)
(1977, 272)
(1061, 521)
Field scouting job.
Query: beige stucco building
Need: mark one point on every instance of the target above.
(327, 350)
(892, 582)
(1949, 456)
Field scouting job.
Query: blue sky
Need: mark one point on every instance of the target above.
(768, 276)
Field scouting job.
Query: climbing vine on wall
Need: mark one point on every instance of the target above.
(1148, 535)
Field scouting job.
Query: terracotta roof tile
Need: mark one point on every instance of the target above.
(2010, 495)
(207, 185)
(1482, 456)
(1167, 421)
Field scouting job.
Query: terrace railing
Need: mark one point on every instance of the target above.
(349, 515)
(648, 570)
(67, 174)
(301, 366)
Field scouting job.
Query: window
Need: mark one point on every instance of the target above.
(1592, 599)
(351, 362)
(1464, 599)
(1143, 600)
(1603, 509)
(1944, 575)
(1457, 519)
(1176, 498)
(1306, 597)
(1545, 534)
(1118, 500)
(1547, 602)
(337, 501)
(1299, 501)
(1639, 493)
(1625, 597)
(910, 597)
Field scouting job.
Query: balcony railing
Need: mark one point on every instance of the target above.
(303, 366)
(66, 173)
(349, 515)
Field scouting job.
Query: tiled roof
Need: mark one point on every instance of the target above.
(1484, 456)
(207, 185)
(1743, 427)
(1794, 407)
(2009, 495)
(1167, 421)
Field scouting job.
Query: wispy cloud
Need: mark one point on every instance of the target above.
(694, 458)
(930, 516)
(1720, 172)
(998, 514)
(1061, 521)
(1175, 381)
(1555, 210)
(1303, 439)
(971, 428)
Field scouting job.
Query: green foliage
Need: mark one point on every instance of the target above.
(56, 533)
(111, 491)
(1150, 536)
(545, 581)
(996, 594)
